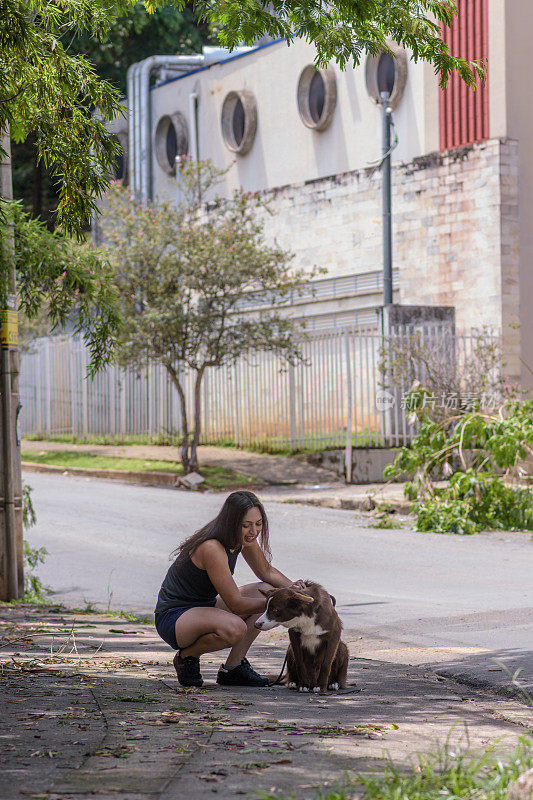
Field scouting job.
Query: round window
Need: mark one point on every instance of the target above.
(387, 72)
(121, 159)
(171, 140)
(239, 121)
(317, 97)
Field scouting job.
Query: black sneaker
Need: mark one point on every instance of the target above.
(188, 670)
(241, 675)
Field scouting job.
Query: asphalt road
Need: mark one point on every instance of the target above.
(403, 596)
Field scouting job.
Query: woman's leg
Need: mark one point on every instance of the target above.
(239, 650)
(206, 629)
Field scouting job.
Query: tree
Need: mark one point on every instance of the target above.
(71, 282)
(344, 30)
(138, 34)
(47, 92)
(182, 274)
(131, 37)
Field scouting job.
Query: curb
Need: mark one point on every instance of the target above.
(477, 682)
(169, 480)
(142, 478)
(347, 503)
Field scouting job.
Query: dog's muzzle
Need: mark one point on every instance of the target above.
(264, 623)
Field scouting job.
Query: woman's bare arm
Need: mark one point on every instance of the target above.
(255, 558)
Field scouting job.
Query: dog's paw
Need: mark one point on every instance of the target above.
(303, 689)
(316, 689)
(333, 686)
(291, 685)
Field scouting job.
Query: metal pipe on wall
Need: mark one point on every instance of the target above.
(140, 107)
(193, 116)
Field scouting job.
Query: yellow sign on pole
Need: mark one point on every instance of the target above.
(8, 328)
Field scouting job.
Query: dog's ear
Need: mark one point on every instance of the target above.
(267, 592)
(304, 598)
(333, 600)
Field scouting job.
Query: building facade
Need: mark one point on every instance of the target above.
(311, 140)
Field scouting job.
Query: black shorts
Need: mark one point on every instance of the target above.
(165, 622)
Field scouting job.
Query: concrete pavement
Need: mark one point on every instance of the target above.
(452, 602)
(90, 706)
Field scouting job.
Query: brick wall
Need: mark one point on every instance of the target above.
(455, 231)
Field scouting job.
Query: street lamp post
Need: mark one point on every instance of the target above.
(386, 198)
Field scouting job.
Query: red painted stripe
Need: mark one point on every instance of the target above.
(471, 100)
(485, 53)
(464, 14)
(464, 114)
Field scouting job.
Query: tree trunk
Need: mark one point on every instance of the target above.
(197, 418)
(37, 184)
(185, 461)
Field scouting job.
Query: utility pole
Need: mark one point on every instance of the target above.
(11, 547)
(386, 199)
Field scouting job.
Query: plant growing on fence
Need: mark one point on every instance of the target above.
(458, 372)
(182, 273)
(482, 454)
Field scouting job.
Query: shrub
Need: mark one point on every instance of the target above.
(483, 494)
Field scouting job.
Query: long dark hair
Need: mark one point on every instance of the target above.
(226, 527)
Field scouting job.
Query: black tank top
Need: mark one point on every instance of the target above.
(186, 584)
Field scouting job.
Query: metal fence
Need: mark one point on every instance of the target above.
(334, 398)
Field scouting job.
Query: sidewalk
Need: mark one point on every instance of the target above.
(285, 480)
(90, 705)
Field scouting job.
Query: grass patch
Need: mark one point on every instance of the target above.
(386, 522)
(448, 773)
(216, 477)
(140, 698)
(272, 446)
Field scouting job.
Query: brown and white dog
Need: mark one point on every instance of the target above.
(317, 659)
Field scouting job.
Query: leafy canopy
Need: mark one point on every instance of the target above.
(138, 34)
(46, 91)
(344, 30)
(70, 281)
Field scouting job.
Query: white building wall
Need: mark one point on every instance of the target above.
(285, 151)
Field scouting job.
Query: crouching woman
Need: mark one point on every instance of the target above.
(200, 608)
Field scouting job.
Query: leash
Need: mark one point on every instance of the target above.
(281, 675)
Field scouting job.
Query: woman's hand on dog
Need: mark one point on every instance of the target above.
(298, 585)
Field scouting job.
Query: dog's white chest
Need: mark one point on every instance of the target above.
(309, 631)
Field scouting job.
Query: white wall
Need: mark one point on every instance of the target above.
(285, 151)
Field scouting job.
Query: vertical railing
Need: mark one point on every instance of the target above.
(327, 401)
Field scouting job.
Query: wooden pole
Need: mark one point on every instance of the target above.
(11, 547)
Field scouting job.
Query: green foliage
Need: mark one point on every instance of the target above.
(386, 522)
(46, 91)
(451, 773)
(72, 282)
(475, 502)
(479, 495)
(138, 34)
(344, 30)
(182, 274)
(34, 589)
(131, 37)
